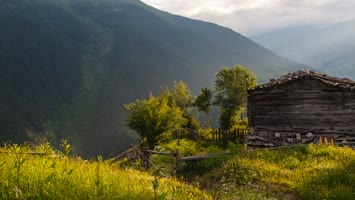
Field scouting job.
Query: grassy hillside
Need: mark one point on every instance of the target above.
(308, 172)
(56, 176)
(68, 66)
(304, 172)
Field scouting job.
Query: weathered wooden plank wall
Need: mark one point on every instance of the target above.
(304, 105)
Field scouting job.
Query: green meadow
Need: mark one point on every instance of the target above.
(304, 172)
(55, 175)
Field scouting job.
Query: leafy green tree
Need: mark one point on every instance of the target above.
(203, 103)
(232, 86)
(153, 117)
(181, 97)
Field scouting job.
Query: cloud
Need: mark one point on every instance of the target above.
(256, 16)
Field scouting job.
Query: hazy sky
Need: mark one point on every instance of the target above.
(251, 17)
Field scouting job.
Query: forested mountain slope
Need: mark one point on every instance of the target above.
(68, 66)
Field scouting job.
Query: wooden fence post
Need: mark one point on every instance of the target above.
(219, 134)
(174, 162)
(235, 135)
(214, 135)
(224, 136)
(145, 158)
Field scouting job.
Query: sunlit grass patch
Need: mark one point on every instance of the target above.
(57, 176)
(304, 172)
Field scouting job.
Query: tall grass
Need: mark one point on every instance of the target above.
(57, 176)
(305, 172)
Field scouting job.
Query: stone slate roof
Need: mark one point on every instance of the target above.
(343, 83)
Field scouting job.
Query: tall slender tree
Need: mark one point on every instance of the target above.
(231, 87)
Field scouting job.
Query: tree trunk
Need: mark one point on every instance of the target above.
(208, 120)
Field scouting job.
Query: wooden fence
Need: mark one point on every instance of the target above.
(234, 135)
(217, 135)
(187, 133)
(183, 133)
(144, 155)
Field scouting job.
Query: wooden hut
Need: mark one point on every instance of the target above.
(302, 107)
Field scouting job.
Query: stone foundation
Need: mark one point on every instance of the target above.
(268, 138)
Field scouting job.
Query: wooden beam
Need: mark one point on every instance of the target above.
(201, 157)
(158, 152)
(30, 153)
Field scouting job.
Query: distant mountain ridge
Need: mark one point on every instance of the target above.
(330, 48)
(68, 66)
